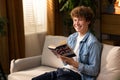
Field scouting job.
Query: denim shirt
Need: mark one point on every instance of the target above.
(89, 55)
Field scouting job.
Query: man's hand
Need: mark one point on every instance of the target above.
(69, 61)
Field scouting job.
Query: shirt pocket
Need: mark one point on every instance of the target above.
(84, 57)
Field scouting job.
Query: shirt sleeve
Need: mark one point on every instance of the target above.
(93, 66)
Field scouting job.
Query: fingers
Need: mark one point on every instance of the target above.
(66, 59)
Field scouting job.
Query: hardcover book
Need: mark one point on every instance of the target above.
(62, 49)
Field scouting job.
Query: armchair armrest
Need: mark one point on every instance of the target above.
(25, 63)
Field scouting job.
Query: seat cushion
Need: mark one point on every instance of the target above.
(30, 73)
(48, 58)
(110, 63)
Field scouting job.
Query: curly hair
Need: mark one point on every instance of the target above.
(84, 12)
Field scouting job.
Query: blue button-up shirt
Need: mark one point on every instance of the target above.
(89, 55)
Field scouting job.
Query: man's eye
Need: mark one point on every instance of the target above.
(75, 20)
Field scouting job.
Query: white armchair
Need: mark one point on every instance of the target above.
(26, 68)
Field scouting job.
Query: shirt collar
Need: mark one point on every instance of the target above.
(86, 36)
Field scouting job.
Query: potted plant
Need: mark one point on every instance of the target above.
(2, 31)
(2, 24)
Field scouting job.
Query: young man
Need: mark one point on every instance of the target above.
(86, 65)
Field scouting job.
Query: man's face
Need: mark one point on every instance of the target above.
(80, 24)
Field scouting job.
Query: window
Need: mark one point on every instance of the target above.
(35, 16)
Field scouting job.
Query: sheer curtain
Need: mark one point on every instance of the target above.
(35, 16)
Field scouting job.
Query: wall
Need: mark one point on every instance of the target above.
(111, 24)
(110, 29)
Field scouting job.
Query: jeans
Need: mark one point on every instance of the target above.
(59, 74)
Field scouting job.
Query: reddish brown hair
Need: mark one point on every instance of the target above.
(82, 11)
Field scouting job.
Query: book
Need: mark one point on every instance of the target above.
(62, 49)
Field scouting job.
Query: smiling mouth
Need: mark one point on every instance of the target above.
(78, 27)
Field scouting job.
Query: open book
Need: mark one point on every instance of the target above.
(62, 49)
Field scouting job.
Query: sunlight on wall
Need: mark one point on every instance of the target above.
(117, 7)
(35, 16)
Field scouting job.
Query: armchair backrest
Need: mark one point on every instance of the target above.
(34, 44)
(48, 58)
(110, 63)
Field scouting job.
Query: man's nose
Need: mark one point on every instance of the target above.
(77, 23)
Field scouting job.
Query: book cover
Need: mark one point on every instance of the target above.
(62, 49)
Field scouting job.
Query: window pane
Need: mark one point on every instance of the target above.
(34, 16)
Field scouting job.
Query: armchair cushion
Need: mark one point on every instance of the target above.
(110, 63)
(29, 73)
(48, 58)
